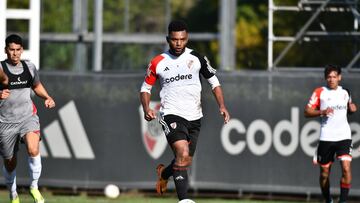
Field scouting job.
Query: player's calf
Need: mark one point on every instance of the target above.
(181, 181)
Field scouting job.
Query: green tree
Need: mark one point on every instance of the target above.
(251, 35)
(251, 30)
(201, 16)
(56, 16)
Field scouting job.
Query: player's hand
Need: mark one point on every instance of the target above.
(49, 103)
(225, 114)
(149, 115)
(5, 93)
(352, 107)
(327, 112)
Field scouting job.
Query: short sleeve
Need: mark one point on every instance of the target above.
(206, 70)
(150, 77)
(314, 101)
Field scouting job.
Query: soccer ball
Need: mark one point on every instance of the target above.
(111, 191)
(186, 201)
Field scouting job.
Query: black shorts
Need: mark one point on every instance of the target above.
(327, 150)
(177, 128)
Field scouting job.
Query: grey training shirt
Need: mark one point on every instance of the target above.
(19, 105)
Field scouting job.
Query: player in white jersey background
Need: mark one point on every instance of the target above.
(179, 70)
(332, 104)
(18, 116)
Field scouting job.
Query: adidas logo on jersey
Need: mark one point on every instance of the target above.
(166, 68)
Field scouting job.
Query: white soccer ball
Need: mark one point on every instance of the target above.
(186, 201)
(111, 191)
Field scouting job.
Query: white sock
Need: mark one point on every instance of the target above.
(35, 170)
(10, 180)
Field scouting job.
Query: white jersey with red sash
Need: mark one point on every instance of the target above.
(334, 127)
(180, 83)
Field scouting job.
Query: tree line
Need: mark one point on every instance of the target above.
(146, 16)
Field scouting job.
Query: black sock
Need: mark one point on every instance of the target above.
(344, 191)
(326, 193)
(168, 171)
(181, 181)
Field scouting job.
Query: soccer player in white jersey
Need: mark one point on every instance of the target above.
(178, 70)
(18, 116)
(332, 104)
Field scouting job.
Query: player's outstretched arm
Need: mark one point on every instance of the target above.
(149, 113)
(40, 91)
(217, 91)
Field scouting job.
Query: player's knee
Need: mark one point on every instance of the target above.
(346, 173)
(325, 172)
(346, 168)
(33, 151)
(183, 160)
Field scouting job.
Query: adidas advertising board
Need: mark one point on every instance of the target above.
(74, 132)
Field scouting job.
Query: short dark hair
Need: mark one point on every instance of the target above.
(177, 25)
(13, 38)
(331, 68)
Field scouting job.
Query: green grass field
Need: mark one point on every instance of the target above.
(125, 198)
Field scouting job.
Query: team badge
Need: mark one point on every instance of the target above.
(190, 64)
(173, 125)
(152, 133)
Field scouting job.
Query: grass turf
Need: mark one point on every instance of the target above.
(124, 198)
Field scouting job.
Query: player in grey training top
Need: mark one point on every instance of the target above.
(18, 116)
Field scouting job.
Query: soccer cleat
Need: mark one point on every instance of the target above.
(161, 184)
(16, 200)
(331, 201)
(35, 193)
